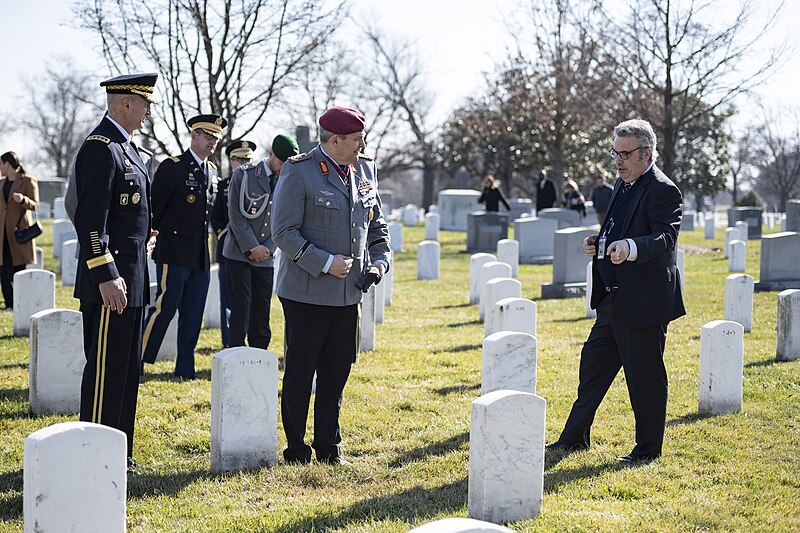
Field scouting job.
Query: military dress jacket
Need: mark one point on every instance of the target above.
(112, 216)
(181, 206)
(219, 215)
(249, 211)
(315, 216)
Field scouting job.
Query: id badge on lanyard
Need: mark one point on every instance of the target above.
(601, 242)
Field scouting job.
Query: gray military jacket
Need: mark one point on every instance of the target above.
(314, 216)
(249, 209)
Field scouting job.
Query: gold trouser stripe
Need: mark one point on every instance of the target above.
(99, 261)
(149, 328)
(100, 368)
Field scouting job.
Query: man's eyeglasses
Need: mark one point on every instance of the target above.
(624, 155)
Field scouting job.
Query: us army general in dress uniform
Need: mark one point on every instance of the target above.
(112, 220)
(328, 222)
(181, 204)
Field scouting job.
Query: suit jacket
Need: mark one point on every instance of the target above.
(112, 216)
(244, 232)
(545, 196)
(314, 216)
(18, 216)
(649, 289)
(180, 212)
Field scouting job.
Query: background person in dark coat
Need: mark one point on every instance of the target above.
(491, 195)
(573, 199)
(601, 197)
(545, 192)
(636, 292)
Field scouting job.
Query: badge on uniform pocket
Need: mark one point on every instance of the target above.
(191, 198)
(136, 197)
(123, 199)
(371, 215)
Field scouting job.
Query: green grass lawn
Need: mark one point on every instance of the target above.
(405, 423)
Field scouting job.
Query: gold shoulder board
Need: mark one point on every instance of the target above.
(98, 138)
(174, 159)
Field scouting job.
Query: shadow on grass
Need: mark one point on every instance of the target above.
(169, 376)
(462, 348)
(408, 505)
(576, 319)
(11, 501)
(435, 449)
(463, 387)
(689, 418)
(11, 366)
(765, 362)
(553, 480)
(154, 484)
(468, 323)
(454, 306)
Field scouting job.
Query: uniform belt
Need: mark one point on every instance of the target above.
(612, 289)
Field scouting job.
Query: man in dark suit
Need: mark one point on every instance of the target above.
(545, 192)
(181, 190)
(112, 221)
(327, 221)
(240, 152)
(636, 292)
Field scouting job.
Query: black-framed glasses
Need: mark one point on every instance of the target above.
(624, 155)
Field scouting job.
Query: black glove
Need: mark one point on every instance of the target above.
(370, 277)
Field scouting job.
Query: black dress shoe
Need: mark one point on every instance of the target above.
(136, 468)
(567, 447)
(297, 460)
(337, 460)
(637, 459)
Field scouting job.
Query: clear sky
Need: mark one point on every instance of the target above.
(459, 39)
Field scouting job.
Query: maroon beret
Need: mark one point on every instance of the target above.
(342, 120)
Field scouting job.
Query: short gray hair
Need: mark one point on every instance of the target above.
(642, 130)
(325, 135)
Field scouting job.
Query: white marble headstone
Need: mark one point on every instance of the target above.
(536, 239)
(69, 262)
(169, 345)
(743, 229)
(244, 409)
(34, 291)
(396, 236)
(509, 362)
(495, 290)
(59, 211)
(409, 215)
(432, 223)
(388, 282)
(681, 262)
(721, 367)
(380, 301)
(56, 362)
(38, 261)
(506, 456)
(513, 314)
(211, 316)
(368, 310)
(460, 525)
(710, 228)
(731, 234)
(63, 230)
(788, 325)
(476, 261)
(590, 313)
(489, 271)
(508, 252)
(75, 479)
(428, 260)
(44, 210)
(737, 256)
(739, 300)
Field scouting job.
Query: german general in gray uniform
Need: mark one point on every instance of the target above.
(328, 223)
(112, 221)
(181, 194)
(249, 248)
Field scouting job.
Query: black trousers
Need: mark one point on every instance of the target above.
(7, 271)
(321, 339)
(250, 293)
(112, 344)
(640, 352)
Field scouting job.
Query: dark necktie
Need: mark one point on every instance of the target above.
(626, 187)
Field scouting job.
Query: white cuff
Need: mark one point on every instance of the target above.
(634, 253)
(328, 264)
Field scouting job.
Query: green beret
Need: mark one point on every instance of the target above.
(284, 147)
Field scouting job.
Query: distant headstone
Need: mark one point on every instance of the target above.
(169, 346)
(569, 264)
(792, 216)
(495, 290)
(779, 262)
(489, 271)
(380, 300)
(687, 222)
(721, 367)
(244, 409)
(409, 215)
(506, 456)
(428, 260)
(590, 313)
(454, 205)
(484, 229)
(739, 300)
(432, 221)
(69, 262)
(460, 525)
(509, 362)
(35, 291)
(39, 261)
(567, 218)
(63, 230)
(388, 281)
(710, 229)
(387, 200)
(750, 216)
(535, 237)
(738, 256)
(508, 252)
(211, 316)
(731, 234)
(433, 208)
(56, 362)
(520, 207)
(681, 264)
(396, 236)
(476, 261)
(43, 211)
(788, 325)
(462, 178)
(744, 230)
(513, 314)
(367, 329)
(784, 223)
(75, 479)
(58, 209)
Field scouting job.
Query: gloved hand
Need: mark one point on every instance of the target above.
(370, 277)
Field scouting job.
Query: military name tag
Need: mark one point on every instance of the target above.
(123, 199)
(191, 198)
(136, 198)
(191, 183)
